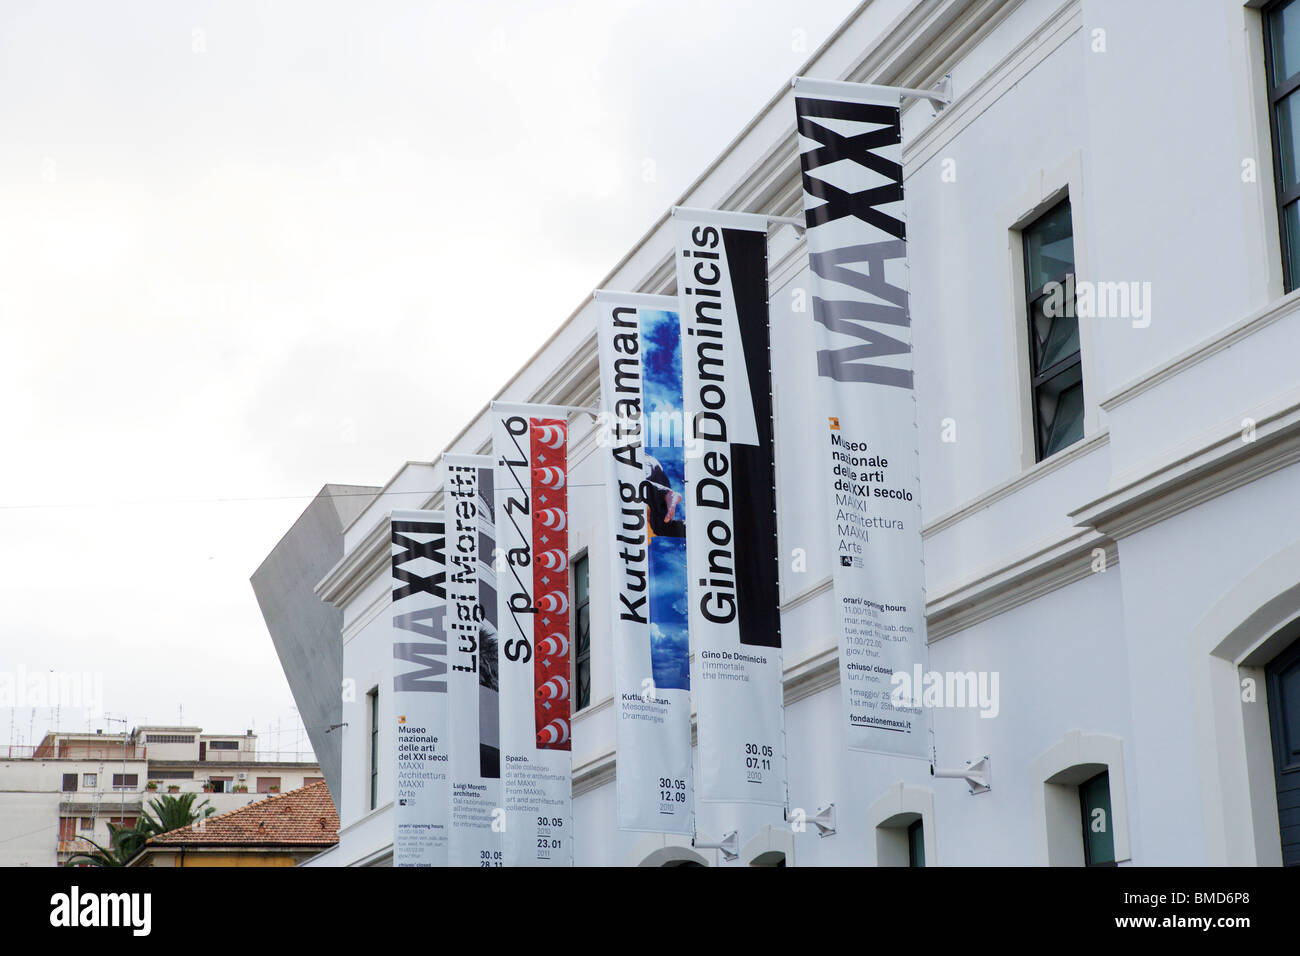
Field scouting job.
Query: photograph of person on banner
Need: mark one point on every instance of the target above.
(662, 501)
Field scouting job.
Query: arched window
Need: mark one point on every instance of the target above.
(771, 846)
(662, 850)
(1080, 806)
(903, 824)
(1282, 677)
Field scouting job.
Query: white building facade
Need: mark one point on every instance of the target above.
(65, 791)
(1110, 526)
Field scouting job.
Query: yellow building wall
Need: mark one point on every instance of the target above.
(236, 859)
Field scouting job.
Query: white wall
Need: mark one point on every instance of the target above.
(29, 828)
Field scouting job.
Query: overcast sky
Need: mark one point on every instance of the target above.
(247, 248)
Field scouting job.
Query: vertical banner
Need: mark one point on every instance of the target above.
(473, 725)
(420, 801)
(640, 349)
(530, 452)
(850, 149)
(732, 559)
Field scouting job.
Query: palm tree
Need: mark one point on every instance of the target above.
(123, 844)
(173, 812)
(169, 813)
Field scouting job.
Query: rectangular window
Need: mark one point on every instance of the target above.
(916, 844)
(69, 783)
(89, 780)
(67, 828)
(221, 784)
(581, 633)
(1056, 367)
(268, 784)
(170, 738)
(308, 781)
(1282, 58)
(1098, 840)
(223, 744)
(125, 781)
(372, 699)
(87, 824)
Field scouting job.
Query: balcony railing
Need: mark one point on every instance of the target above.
(107, 752)
(260, 756)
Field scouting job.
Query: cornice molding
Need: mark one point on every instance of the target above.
(594, 773)
(1283, 308)
(1211, 467)
(357, 568)
(812, 674)
(1037, 571)
(1009, 487)
(806, 595)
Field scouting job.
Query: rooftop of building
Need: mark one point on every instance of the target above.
(260, 762)
(302, 817)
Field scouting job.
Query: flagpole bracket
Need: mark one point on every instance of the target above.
(978, 774)
(580, 410)
(939, 95)
(729, 845)
(824, 821)
(795, 221)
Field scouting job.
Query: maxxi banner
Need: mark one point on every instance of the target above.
(640, 349)
(419, 566)
(530, 452)
(732, 560)
(473, 721)
(850, 149)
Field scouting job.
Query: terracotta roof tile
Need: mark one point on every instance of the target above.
(302, 817)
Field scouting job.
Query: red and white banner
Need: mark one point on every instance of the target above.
(530, 454)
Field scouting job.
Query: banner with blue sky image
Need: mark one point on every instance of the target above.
(640, 351)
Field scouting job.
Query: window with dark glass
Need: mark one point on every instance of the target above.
(373, 717)
(916, 844)
(69, 783)
(1282, 57)
(1056, 368)
(1098, 839)
(581, 633)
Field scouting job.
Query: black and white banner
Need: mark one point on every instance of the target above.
(473, 711)
(732, 559)
(420, 800)
(530, 457)
(640, 349)
(850, 148)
